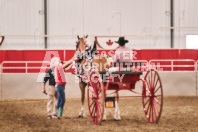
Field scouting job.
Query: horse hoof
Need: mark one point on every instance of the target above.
(80, 116)
(104, 118)
(117, 118)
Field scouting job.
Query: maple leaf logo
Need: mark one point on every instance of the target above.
(109, 42)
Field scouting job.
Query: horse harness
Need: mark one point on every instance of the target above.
(88, 55)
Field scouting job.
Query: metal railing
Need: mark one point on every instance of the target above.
(193, 65)
(172, 65)
(196, 77)
(146, 65)
(26, 66)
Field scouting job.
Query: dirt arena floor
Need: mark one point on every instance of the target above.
(179, 114)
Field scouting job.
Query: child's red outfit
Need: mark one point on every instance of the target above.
(60, 88)
(60, 75)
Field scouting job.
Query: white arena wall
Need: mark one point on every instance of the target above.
(145, 23)
(26, 86)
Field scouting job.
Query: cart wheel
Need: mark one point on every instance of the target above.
(95, 95)
(152, 96)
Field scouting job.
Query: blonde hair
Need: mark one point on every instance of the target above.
(53, 60)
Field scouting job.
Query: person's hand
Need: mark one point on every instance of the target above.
(75, 57)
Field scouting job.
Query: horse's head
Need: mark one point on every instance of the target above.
(81, 43)
(101, 62)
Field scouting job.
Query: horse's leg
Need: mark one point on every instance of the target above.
(117, 111)
(104, 118)
(82, 86)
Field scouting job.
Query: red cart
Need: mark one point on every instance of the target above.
(100, 82)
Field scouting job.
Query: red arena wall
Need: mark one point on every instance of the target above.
(39, 55)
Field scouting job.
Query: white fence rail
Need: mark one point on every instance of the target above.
(26, 65)
(9, 65)
(157, 63)
(44, 65)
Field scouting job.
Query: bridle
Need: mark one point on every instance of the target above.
(78, 44)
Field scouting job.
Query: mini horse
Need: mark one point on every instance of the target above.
(89, 59)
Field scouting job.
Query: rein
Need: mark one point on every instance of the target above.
(2, 40)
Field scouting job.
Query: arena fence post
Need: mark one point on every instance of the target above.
(196, 83)
(0, 82)
(196, 72)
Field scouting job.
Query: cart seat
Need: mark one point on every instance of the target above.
(129, 76)
(125, 68)
(132, 73)
(126, 76)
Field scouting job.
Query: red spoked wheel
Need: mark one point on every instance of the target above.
(152, 96)
(95, 97)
